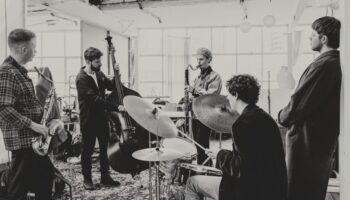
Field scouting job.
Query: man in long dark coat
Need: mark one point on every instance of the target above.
(312, 116)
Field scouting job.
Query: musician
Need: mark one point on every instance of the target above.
(255, 169)
(208, 82)
(20, 115)
(312, 116)
(91, 85)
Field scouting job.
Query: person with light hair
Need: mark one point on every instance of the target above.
(208, 82)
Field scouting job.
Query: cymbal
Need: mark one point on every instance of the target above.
(150, 117)
(156, 154)
(214, 112)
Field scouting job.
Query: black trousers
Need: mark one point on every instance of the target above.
(30, 172)
(101, 133)
(201, 134)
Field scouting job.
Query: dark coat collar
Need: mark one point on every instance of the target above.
(248, 108)
(333, 52)
(205, 72)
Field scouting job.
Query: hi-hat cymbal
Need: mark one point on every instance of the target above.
(150, 117)
(213, 111)
(156, 154)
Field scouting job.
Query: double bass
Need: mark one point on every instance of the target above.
(126, 136)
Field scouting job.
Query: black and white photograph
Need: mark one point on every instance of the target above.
(174, 99)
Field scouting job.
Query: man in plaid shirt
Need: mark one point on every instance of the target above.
(20, 115)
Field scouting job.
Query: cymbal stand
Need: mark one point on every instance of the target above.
(150, 169)
(157, 181)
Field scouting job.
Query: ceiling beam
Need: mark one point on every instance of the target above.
(117, 4)
(297, 12)
(86, 13)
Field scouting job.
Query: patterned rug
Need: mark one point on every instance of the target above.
(131, 188)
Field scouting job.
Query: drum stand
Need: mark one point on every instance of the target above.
(157, 180)
(150, 169)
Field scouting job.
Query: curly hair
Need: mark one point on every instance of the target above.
(246, 87)
(330, 27)
(92, 53)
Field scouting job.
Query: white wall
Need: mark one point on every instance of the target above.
(11, 16)
(3, 32)
(344, 139)
(95, 37)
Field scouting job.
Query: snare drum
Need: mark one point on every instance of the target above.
(201, 170)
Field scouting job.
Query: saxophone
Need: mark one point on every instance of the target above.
(187, 101)
(40, 144)
(187, 95)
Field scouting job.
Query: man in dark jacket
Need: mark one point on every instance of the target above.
(255, 169)
(312, 116)
(91, 85)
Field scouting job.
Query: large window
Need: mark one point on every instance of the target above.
(306, 55)
(164, 54)
(60, 51)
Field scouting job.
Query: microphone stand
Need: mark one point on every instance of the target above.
(268, 93)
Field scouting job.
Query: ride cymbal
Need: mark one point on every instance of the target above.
(214, 112)
(150, 117)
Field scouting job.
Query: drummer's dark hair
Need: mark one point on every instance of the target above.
(246, 87)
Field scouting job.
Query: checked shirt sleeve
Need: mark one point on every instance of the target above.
(9, 92)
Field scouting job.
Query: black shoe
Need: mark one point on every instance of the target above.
(88, 185)
(109, 182)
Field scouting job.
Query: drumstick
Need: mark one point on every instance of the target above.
(206, 160)
(200, 146)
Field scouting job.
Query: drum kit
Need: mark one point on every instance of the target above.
(211, 110)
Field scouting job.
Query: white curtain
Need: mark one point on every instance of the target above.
(296, 47)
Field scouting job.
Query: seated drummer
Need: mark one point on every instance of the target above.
(255, 169)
